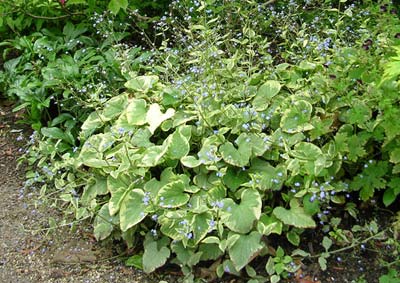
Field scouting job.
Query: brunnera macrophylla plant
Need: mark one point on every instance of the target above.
(220, 144)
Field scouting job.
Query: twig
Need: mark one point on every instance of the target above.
(51, 18)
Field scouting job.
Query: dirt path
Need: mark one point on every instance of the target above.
(28, 252)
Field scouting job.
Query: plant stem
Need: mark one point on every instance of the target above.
(353, 245)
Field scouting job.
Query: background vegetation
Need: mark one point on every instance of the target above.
(197, 132)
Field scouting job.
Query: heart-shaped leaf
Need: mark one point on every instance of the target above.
(244, 249)
(178, 142)
(133, 209)
(237, 157)
(241, 217)
(104, 223)
(172, 195)
(295, 216)
(155, 253)
(136, 112)
(155, 117)
(265, 93)
(297, 118)
(141, 83)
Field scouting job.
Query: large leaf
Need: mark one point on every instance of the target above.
(136, 112)
(155, 253)
(269, 224)
(241, 217)
(153, 155)
(91, 190)
(92, 122)
(297, 118)
(155, 117)
(244, 249)
(296, 216)
(92, 151)
(265, 93)
(201, 226)
(56, 133)
(172, 194)
(133, 209)
(141, 83)
(104, 223)
(237, 157)
(305, 151)
(118, 188)
(115, 5)
(114, 107)
(178, 143)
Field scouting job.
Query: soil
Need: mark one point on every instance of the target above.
(31, 252)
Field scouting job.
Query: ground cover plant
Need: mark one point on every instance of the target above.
(223, 136)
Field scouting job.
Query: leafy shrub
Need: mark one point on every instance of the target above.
(250, 121)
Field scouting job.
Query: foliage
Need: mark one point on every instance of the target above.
(246, 121)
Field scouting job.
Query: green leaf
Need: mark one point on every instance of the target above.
(269, 266)
(310, 207)
(395, 155)
(155, 117)
(155, 253)
(92, 122)
(265, 93)
(275, 278)
(295, 216)
(104, 223)
(326, 243)
(136, 112)
(392, 192)
(114, 107)
(269, 224)
(293, 237)
(172, 195)
(391, 277)
(305, 151)
(179, 142)
(233, 156)
(135, 261)
(141, 83)
(190, 161)
(244, 249)
(359, 113)
(371, 178)
(55, 133)
(115, 5)
(233, 179)
(133, 209)
(201, 226)
(306, 66)
(153, 156)
(118, 188)
(241, 217)
(322, 263)
(91, 190)
(92, 151)
(297, 117)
